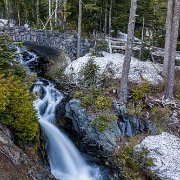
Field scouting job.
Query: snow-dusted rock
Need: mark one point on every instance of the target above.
(4, 22)
(139, 70)
(165, 150)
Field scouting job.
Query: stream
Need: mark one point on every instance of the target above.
(65, 160)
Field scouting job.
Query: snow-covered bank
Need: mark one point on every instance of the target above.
(4, 22)
(165, 150)
(139, 70)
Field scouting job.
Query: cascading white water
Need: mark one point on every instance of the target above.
(65, 160)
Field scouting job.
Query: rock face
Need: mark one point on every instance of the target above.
(165, 150)
(102, 143)
(15, 164)
(81, 124)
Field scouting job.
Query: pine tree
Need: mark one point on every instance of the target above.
(172, 26)
(127, 59)
(79, 29)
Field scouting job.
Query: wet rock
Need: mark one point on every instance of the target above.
(164, 149)
(15, 164)
(104, 142)
(132, 125)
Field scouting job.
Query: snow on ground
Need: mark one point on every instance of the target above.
(139, 70)
(4, 22)
(165, 150)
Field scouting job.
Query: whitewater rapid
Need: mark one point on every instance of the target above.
(65, 160)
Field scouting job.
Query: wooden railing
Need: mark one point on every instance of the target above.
(119, 44)
(116, 44)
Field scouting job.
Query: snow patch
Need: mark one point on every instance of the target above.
(165, 150)
(4, 22)
(139, 70)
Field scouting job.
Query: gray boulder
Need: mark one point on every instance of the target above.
(164, 149)
(105, 141)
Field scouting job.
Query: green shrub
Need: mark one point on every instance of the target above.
(16, 101)
(145, 54)
(135, 110)
(101, 46)
(78, 95)
(103, 102)
(17, 111)
(159, 116)
(88, 98)
(135, 163)
(103, 122)
(140, 91)
(90, 71)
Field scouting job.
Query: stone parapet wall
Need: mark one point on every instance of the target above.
(53, 39)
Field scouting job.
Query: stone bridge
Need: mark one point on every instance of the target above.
(53, 39)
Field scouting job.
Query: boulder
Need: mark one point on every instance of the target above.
(164, 149)
(105, 142)
(111, 65)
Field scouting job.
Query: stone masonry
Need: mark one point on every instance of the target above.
(53, 39)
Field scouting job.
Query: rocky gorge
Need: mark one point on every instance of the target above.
(104, 143)
(101, 140)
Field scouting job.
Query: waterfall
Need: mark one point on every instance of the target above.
(65, 160)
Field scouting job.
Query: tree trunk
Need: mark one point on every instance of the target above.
(172, 51)
(37, 12)
(127, 59)
(56, 16)
(142, 40)
(105, 20)
(7, 10)
(64, 16)
(19, 19)
(110, 18)
(168, 36)
(79, 29)
(50, 11)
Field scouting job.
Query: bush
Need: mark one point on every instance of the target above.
(135, 110)
(140, 91)
(17, 110)
(90, 71)
(103, 102)
(16, 101)
(135, 164)
(160, 115)
(103, 122)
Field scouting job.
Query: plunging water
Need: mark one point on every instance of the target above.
(65, 160)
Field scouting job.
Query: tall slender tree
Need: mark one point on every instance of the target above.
(168, 35)
(50, 11)
(171, 43)
(127, 59)
(37, 11)
(110, 17)
(79, 29)
(55, 15)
